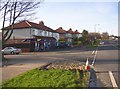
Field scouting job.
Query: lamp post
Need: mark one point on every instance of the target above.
(95, 32)
(95, 27)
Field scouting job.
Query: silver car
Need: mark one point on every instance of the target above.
(11, 50)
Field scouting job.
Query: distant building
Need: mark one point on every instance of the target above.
(94, 35)
(112, 37)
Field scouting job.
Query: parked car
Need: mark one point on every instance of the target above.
(101, 43)
(11, 50)
(61, 45)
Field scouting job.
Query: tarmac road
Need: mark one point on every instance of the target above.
(107, 60)
(18, 64)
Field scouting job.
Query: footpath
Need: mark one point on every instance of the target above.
(94, 82)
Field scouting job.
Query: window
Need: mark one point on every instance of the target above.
(45, 33)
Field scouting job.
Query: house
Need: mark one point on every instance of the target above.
(62, 34)
(112, 37)
(69, 36)
(77, 34)
(36, 36)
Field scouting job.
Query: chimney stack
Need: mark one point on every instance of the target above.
(41, 22)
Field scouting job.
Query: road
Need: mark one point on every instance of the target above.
(18, 64)
(107, 60)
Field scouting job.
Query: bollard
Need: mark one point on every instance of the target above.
(87, 67)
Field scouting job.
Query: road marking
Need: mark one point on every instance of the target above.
(94, 58)
(93, 52)
(113, 80)
(115, 46)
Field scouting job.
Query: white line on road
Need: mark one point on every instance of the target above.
(113, 80)
(93, 52)
(115, 46)
(94, 58)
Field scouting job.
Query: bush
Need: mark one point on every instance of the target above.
(96, 42)
(79, 43)
(75, 43)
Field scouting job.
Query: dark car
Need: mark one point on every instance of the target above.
(61, 45)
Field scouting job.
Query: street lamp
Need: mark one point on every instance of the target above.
(95, 27)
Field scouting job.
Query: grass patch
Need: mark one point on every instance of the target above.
(49, 78)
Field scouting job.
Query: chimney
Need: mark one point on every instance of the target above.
(76, 30)
(60, 28)
(70, 29)
(41, 22)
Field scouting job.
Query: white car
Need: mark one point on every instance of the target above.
(11, 50)
(101, 43)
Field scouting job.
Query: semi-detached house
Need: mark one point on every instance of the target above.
(35, 36)
(68, 36)
(77, 34)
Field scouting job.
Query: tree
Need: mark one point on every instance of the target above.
(84, 33)
(13, 11)
(105, 35)
(85, 37)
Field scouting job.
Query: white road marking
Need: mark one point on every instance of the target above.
(94, 58)
(113, 80)
(115, 46)
(93, 52)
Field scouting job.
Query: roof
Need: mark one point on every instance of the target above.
(60, 30)
(76, 32)
(28, 24)
(70, 31)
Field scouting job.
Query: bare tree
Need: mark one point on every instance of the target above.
(16, 10)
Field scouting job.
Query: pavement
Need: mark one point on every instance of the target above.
(94, 81)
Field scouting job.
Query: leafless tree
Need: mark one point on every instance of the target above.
(16, 10)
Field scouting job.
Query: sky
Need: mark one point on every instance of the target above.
(79, 15)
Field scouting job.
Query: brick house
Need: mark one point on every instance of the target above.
(36, 36)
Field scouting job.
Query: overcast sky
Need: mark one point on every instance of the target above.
(80, 14)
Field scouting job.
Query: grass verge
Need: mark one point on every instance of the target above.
(49, 78)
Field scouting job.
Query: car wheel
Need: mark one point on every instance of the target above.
(12, 52)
